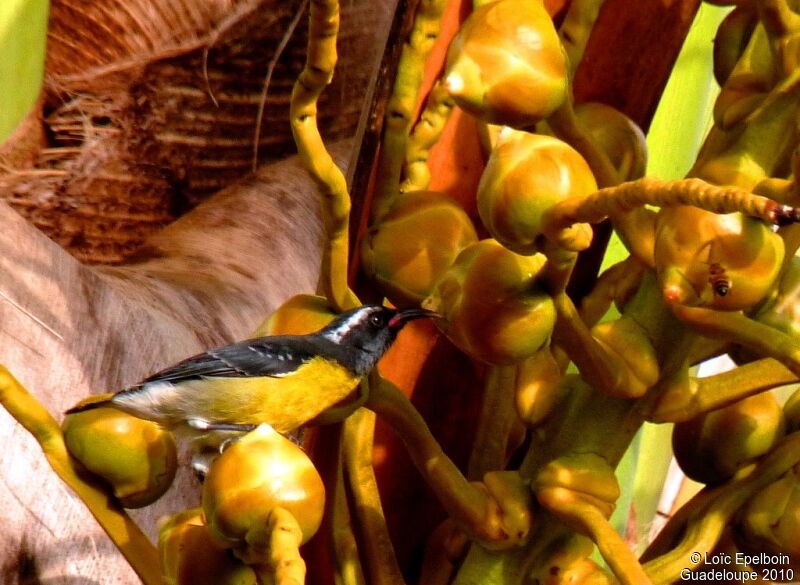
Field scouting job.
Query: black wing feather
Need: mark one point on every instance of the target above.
(265, 356)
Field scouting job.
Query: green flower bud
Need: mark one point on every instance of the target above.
(618, 136)
(770, 521)
(579, 478)
(732, 36)
(712, 447)
(628, 347)
(724, 262)
(506, 64)
(259, 472)
(137, 457)
(491, 305)
(414, 243)
(525, 176)
(191, 556)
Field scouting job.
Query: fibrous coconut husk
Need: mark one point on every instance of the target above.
(150, 106)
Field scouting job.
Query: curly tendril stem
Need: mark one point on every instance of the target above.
(320, 62)
(576, 29)
(425, 134)
(445, 548)
(403, 101)
(495, 426)
(345, 553)
(123, 532)
(470, 507)
(738, 328)
(284, 565)
(700, 395)
(358, 440)
(648, 191)
(592, 359)
(615, 551)
(567, 127)
(778, 18)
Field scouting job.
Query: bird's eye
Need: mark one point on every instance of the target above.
(376, 320)
(722, 288)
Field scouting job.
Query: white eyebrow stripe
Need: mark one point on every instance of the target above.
(355, 319)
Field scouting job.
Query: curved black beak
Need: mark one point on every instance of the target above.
(405, 315)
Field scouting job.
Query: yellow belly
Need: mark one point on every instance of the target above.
(284, 402)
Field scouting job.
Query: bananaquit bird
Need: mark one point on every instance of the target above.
(285, 381)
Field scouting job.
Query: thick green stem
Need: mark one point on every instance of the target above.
(498, 415)
(403, 102)
(691, 397)
(595, 362)
(426, 132)
(123, 532)
(316, 75)
(576, 29)
(615, 551)
(738, 328)
(647, 191)
(284, 565)
(381, 562)
(472, 508)
(346, 559)
(566, 126)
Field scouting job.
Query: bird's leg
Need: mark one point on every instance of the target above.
(200, 424)
(214, 438)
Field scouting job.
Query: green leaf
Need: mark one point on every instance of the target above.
(23, 39)
(681, 122)
(683, 116)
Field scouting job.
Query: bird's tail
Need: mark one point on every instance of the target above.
(92, 402)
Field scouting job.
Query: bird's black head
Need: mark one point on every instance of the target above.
(364, 334)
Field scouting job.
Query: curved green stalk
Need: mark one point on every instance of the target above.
(123, 532)
(403, 101)
(321, 59)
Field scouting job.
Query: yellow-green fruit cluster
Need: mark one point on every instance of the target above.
(525, 176)
(712, 447)
(137, 457)
(258, 473)
(506, 64)
(191, 556)
(414, 243)
(492, 306)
